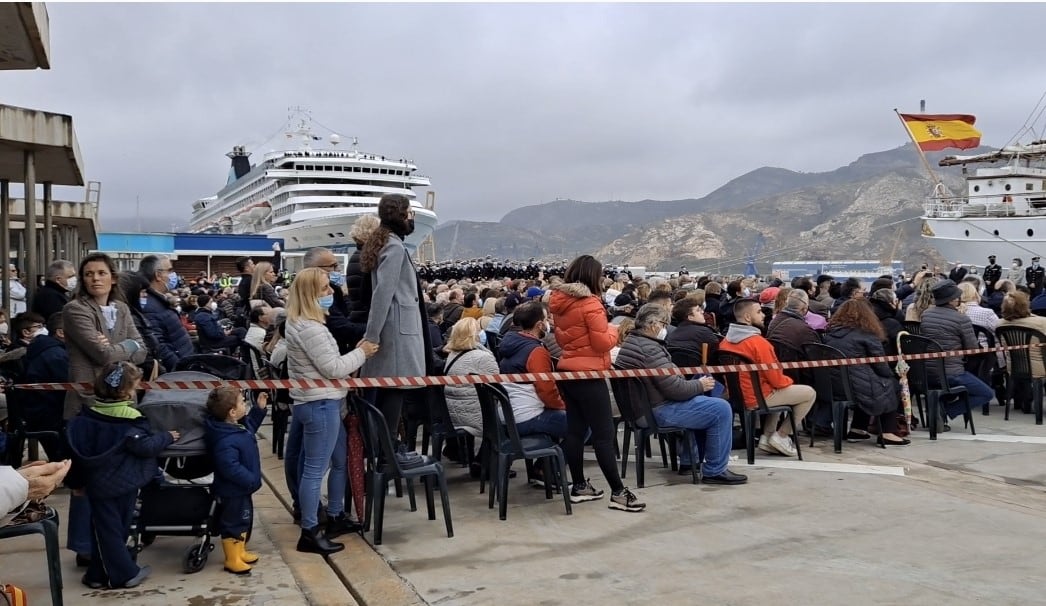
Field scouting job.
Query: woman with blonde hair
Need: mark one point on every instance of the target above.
(357, 281)
(489, 309)
(923, 299)
(262, 290)
(980, 316)
(312, 353)
(466, 356)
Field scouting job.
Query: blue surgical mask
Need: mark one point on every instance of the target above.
(326, 301)
(337, 278)
(142, 301)
(172, 281)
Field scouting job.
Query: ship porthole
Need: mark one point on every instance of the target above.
(996, 232)
(976, 188)
(967, 233)
(1031, 233)
(1008, 187)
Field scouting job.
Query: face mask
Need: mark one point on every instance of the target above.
(661, 334)
(326, 302)
(42, 331)
(178, 308)
(213, 305)
(172, 281)
(747, 293)
(1014, 265)
(70, 284)
(337, 278)
(4, 328)
(548, 327)
(142, 301)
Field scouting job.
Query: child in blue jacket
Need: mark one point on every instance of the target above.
(237, 470)
(115, 453)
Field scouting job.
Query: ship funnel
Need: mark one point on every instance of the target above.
(241, 164)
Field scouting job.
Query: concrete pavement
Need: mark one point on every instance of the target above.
(955, 521)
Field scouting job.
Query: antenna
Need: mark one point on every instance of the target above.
(922, 106)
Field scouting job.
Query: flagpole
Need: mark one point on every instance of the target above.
(922, 155)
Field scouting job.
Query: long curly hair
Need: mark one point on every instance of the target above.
(858, 315)
(392, 212)
(924, 295)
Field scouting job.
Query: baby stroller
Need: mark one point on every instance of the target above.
(180, 503)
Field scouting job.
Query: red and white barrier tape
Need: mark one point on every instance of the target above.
(380, 382)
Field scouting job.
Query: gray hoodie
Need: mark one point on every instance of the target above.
(739, 332)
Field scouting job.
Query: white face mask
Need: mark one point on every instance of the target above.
(42, 331)
(213, 305)
(661, 334)
(548, 327)
(70, 284)
(4, 328)
(747, 293)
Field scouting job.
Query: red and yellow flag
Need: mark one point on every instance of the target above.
(934, 132)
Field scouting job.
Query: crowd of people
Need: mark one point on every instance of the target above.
(382, 316)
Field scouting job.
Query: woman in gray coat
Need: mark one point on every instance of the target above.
(855, 330)
(396, 321)
(98, 330)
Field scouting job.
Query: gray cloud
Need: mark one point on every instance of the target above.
(506, 105)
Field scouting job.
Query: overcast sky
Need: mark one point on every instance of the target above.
(509, 105)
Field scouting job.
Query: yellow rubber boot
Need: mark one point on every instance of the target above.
(233, 562)
(247, 556)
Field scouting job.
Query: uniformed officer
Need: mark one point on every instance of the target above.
(992, 274)
(1035, 276)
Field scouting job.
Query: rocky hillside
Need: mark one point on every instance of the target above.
(862, 210)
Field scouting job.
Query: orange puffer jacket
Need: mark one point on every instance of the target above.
(582, 329)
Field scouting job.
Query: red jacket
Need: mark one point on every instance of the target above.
(582, 330)
(757, 349)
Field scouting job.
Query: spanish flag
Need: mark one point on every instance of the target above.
(934, 132)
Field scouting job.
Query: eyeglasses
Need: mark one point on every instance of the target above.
(332, 267)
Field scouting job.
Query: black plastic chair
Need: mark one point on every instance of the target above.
(931, 393)
(48, 527)
(386, 468)
(983, 365)
(913, 327)
(632, 401)
(1019, 366)
(833, 383)
(506, 445)
(686, 357)
(443, 428)
(786, 352)
(18, 432)
(751, 415)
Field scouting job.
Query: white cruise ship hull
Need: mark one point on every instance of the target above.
(333, 231)
(973, 239)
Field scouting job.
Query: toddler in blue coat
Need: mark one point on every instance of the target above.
(237, 470)
(114, 454)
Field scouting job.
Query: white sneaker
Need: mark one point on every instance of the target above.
(766, 446)
(782, 445)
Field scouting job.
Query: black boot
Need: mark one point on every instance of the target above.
(311, 541)
(341, 524)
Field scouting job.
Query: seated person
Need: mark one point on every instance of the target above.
(261, 318)
(691, 331)
(211, 334)
(681, 402)
(537, 407)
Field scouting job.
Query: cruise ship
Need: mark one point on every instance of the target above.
(310, 192)
(1001, 213)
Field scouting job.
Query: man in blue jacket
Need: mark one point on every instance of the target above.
(174, 341)
(211, 334)
(46, 361)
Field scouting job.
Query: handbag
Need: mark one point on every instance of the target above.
(14, 596)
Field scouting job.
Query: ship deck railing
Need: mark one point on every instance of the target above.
(988, 206)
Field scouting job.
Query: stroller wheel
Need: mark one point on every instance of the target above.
(195, 558)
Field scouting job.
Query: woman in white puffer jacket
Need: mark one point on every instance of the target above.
(466, 356)
(312, 353)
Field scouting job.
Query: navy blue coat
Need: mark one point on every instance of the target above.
(237, 464)
(46, 361)
(207, 327)
(113, 456)
(174, 342)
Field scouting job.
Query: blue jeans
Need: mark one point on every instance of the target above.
(978, 391)
(79, 537)
(551, 422)
(715, 416)
(293, 462)
(321, 430)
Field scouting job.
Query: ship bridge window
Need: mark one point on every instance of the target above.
(1028, 186)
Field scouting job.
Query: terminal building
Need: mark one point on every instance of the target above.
(191, 254)
(865, 271)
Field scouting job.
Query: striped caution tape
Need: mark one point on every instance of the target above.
(407, 382)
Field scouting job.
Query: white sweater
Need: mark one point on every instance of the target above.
(14, 491)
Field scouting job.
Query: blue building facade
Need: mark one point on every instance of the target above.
(199, 252)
